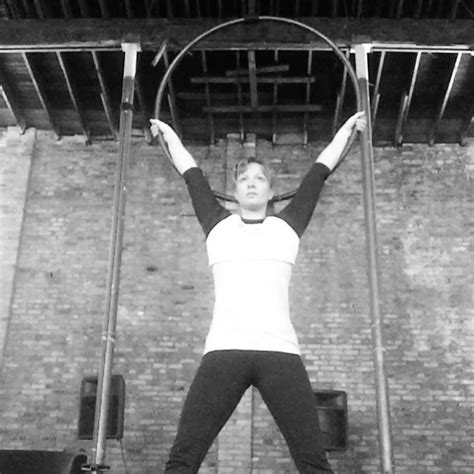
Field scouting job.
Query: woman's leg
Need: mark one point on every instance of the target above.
(218, 386)
(285, 388)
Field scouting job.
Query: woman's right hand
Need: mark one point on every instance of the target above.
(157, 127)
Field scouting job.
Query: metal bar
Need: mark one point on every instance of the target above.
(140, 91)
(442, 107)
(381, 388)
(115, 257)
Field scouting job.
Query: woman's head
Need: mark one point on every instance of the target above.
(253, 185)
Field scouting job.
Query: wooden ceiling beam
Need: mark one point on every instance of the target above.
(12, 102)
(406, 101)
(34, 76)
(454, 9)
(376, 93)
(467, 127)
(72, 89)
(252, 78)
(100, 34)
(444, 103)
(207, 93)
(105, 94)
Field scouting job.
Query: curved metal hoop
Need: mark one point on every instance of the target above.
(179, 57)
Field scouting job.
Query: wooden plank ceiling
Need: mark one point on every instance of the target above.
(265, 77)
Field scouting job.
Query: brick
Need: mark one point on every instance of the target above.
(424, 213)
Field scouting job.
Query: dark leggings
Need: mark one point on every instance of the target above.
(219, 384)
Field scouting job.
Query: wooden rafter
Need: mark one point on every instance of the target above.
(208, 97)
(67, 11)
(34, 76)
(275, 102)
(263, 80)
(467, 126)
(172, 99)
(406, 102)
(398, 135)
(340, 99)
(252, 78)
(104, 90)
(376, 94)
(309, 70)
(72, 89)
(443, 104)
(225, 109)
(12, 102)
(454, 9)
(104, 9)
(418, 8)
(239, 97)
(399, 9)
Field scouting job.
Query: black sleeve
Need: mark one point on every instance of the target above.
(206, 206)
(299, 211)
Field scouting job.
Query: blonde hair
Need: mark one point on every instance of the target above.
(244, 163)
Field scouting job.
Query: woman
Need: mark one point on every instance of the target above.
(251, 341)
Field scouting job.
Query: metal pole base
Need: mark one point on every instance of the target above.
(95, 468)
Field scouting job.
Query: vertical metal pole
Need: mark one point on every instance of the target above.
(115, 256)
(381, 386)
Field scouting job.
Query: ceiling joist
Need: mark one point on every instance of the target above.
(12, 102)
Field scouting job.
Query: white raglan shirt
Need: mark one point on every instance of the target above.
(251, 262)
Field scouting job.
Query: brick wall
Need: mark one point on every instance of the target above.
(424, 211)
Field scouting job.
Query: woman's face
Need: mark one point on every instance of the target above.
(253, 188)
